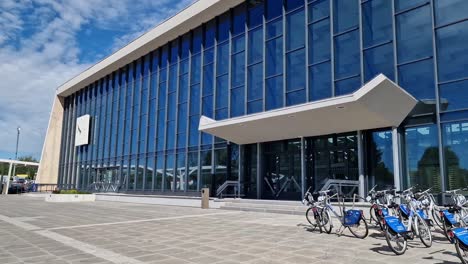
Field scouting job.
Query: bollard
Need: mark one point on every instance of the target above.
(205, 198)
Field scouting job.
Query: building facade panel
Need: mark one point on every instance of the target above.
(269, 54)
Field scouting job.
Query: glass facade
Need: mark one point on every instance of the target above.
(268, 54)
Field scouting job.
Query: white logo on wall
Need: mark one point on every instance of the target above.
(82, 130)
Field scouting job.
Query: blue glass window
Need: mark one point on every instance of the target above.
(454, 96)
(414, 34)
(401, 5)
(207, 106)
(346, 15)
(238, 24)
(197, 40)
(222, 85)
(377, 22)
(238, 69)
(208, 79)
(274, 8)
(183, 88)
(453, 51)
(255, 82)
(422, 157)
(174, 51)
(196, 69)
(224, 25)
(450, 11)
(320, 81)
(237, 101)
(254, 106)
(455, 138)
(293, 4)
(222, 65)
(238, 44)
(296, 97)
(255, 50)
(379, 60)
(347, 86)
(319, 41)
(193, 134)
(220, 115)
(195, 99)
(255, 12)
(185, 49)
(274, 28)
(295, 70)
(295, 30)
(347, 55)
(182, 120)
(274, 56)
(418, 79)
(274, 92)
(210, 34)
(208, 56)
(164, 56)
(318, 10)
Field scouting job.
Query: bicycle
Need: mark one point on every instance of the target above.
(397, 233)
(430, 207)
(313, 213)
(381, 205)
(352, 219)
(455, 215)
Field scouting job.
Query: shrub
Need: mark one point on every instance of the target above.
(73, 191)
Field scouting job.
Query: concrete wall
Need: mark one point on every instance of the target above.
(49, 164)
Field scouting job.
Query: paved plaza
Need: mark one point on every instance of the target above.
(33, 231)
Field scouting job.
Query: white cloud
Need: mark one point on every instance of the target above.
(39, 51)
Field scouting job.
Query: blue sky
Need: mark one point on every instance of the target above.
(44, 43)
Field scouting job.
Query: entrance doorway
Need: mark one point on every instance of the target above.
(332, 157)
(282, 170)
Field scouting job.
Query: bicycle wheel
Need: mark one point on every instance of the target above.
(396, 242)
(436, 218)
(360, 230)
(326, 221)
(424, 231)
(461, 252)
(311, 219)
(445, 229)
(372, 213)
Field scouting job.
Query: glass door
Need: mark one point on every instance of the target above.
(330, 159)
(282, 170)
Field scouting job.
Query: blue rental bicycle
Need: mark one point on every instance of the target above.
(397, 233)
(352, 219)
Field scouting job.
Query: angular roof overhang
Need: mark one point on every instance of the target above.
(379, 103)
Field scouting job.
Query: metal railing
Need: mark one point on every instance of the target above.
(340, 185)
(227, 184)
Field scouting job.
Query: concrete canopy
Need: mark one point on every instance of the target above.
(379, 103)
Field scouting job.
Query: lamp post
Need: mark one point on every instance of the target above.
(16, 152)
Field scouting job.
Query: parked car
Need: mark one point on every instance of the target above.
(17, 186)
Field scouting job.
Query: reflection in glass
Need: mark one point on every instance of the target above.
(422, 158)
(380, 159)
(455, 138)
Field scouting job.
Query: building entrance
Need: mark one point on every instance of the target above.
(282, 170)
(332, 158)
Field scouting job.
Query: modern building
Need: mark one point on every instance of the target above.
(274, 95)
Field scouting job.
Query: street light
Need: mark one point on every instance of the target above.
(16, 153)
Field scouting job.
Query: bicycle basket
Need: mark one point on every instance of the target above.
(352, 217)
(395, 225)
(404, 210)
(461, 233)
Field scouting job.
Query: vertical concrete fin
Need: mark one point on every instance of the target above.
(50, 157)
